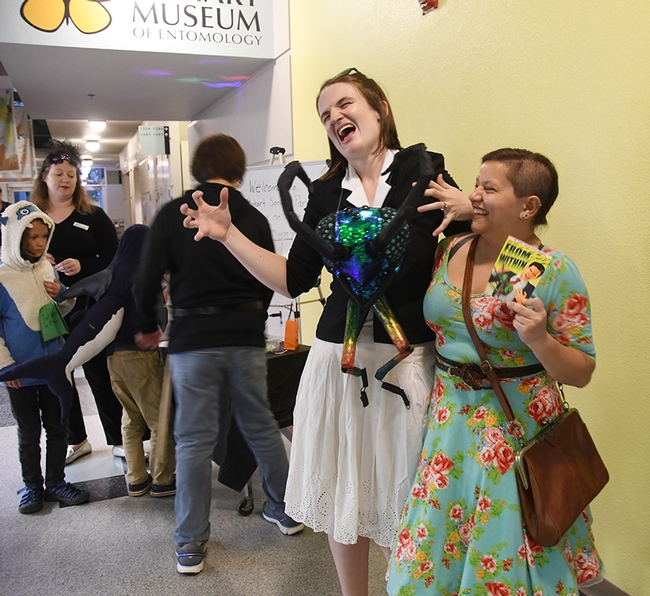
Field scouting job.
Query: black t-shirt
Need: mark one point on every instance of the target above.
(203, 274)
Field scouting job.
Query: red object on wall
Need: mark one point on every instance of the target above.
(428, 5)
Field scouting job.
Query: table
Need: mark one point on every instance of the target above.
(283, 375)
(236, 461)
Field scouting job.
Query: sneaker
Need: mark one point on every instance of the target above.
(118, 451)
(137, 490)
(77, 451)
(190, 557)
(66, 493)
(163, 490)
(32, 498)
(287, 525)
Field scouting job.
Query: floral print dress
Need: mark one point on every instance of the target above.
(461, 531)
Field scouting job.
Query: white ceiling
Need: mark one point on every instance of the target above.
(68, 86)
(112, 139)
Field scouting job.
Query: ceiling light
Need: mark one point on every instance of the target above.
(87, 162)
(92, 146)
(97, 125)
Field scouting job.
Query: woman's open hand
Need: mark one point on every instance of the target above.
(209, 221)
(453, 202)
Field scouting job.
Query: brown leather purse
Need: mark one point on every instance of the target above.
(559, 471)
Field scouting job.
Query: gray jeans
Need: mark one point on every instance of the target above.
(201, 379)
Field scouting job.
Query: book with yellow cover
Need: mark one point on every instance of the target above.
(517, 270)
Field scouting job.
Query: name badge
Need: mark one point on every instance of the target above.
(78, 224)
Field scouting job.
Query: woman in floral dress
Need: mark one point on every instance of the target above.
(461, 531)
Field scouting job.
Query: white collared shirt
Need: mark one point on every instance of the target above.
(352, 182)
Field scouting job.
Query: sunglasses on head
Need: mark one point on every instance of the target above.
(61, 156)
(348, 71)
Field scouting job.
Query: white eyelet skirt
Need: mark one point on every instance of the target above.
(351, 468)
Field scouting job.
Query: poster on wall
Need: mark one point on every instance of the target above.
(17, 162)
(8, 149)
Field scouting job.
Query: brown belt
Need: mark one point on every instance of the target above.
(475, 376)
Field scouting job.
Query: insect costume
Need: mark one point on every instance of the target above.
(363, 249)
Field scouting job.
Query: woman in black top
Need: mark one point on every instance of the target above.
(352, 466)
(84, 242)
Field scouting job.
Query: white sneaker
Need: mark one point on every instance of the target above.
(76, 451)
(118, 451)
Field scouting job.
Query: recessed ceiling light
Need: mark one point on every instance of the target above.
(97, 125)
(92, 146)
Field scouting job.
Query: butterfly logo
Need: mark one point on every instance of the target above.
(89, 16)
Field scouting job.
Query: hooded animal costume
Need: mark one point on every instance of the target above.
(22, 295)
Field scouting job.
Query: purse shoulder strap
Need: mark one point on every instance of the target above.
(485, 365)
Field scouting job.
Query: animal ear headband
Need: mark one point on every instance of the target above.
(363, 249)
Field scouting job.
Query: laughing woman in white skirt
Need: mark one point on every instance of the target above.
(352, 465)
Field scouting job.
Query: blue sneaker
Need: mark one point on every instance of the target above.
(32, 498)
(66, 493)
(137, 490)
(190, 557)
(163, 490)
(287, 525)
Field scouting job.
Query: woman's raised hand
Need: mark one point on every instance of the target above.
(209, 221)
(453, 202)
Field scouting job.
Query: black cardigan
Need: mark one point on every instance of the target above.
(405, 295)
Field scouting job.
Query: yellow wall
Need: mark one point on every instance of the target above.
(570, 80)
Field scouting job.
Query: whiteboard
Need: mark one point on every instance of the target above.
(260, 187)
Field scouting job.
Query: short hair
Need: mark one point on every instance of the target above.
(62, 152)
(372, 92)
(218, 156)
(530, 174)
(538, 266)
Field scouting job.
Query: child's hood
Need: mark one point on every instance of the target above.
(15, 220)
